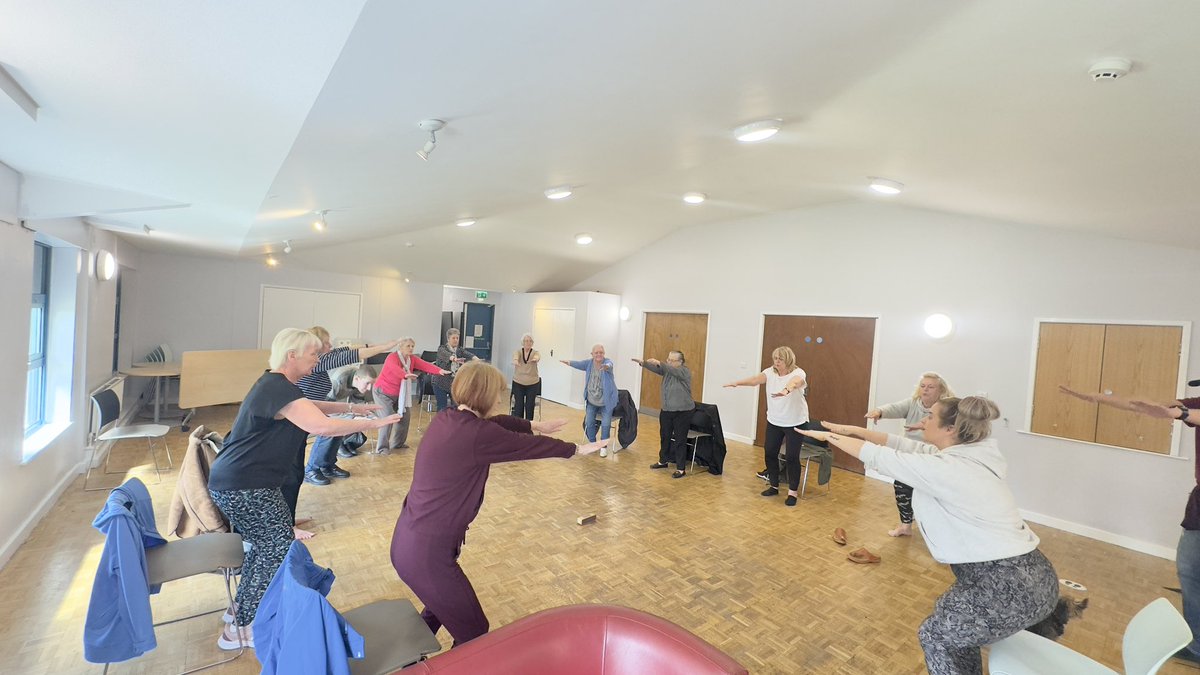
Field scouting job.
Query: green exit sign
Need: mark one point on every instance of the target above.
(481, 295)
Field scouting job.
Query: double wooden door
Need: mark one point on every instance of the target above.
(667, 332)
(835, 353)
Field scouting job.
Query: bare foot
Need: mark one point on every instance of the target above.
(302, 521)
(301, 535)
(902, 530)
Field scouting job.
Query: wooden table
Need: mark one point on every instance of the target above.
(158, 371)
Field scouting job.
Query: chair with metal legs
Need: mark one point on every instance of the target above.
(106, 408)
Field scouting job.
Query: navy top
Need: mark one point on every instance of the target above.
(260, 450)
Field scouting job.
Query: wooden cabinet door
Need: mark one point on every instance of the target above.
(1140, 362)
(1070, 354)
(835, 353)
(666, 332)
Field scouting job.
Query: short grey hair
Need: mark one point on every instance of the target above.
(290, 340)
(526, 335)
(451, 333)
(406, 338)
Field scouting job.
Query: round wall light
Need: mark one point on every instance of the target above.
(106, 265)
(938, 326)
(624, 313)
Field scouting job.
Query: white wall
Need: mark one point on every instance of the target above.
(899, 264)
(595, 321)
(196, 303)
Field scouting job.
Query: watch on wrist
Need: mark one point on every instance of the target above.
(1183, 414)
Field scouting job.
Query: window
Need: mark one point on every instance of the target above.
(1134, 361)
(35, 390)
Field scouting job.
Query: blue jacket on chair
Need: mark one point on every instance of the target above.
(296, 630)
(119, 625)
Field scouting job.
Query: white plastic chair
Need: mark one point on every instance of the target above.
(106, 407)
(1152, 636)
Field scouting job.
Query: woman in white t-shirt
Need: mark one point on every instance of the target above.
(786, 409)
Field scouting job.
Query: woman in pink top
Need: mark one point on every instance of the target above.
(394, 391)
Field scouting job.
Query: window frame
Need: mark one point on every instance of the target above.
(37, 359)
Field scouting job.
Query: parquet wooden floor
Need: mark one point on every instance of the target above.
(761, 581)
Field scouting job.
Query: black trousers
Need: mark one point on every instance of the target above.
(524, 398)
(775, 439)
(672, 434)
(904, 501)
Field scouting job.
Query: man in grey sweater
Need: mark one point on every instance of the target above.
(676, 413)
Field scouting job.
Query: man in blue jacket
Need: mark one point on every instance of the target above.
(119, 625)
(599, 393)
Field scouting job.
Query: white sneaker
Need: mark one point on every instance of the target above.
(227, 617)
(604, 451)
(230, 640)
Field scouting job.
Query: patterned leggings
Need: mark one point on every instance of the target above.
(988, 602)
(262, 518)
(904, 501)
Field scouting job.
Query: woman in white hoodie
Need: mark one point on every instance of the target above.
(969, 520)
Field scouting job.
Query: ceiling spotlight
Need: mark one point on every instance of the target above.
(147, 229)
(271, 261)
(558, 192)
(287, 246)
(583, 239)
(695, 197)
(319, 224)
(432, 126)
(409, 244)
(886, 186)
(757, 131)
(465, 222)
(407, 280)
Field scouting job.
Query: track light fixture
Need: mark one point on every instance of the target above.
(432, 126)
(287, 246)
(319, 224)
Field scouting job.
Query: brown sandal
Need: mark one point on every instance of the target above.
(863, 557)
(839, 536)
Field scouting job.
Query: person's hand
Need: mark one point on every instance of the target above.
(460, 360)
(873, 415)
(781, 394)
(590, 448)
(564, 362)
(412, 376)
(548, 426)
(731, 385)
(819, 435)
(654, 362)
(444, 372)
(639, 361)
(366, 407)
(384, 421)
(912, 427)
(1151, 409)
(1090, 398)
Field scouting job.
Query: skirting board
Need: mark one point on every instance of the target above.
(1130, 543)
(35, 516)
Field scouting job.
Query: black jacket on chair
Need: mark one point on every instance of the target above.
(710, 451)
(627, 415)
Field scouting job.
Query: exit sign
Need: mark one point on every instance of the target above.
(481, 295)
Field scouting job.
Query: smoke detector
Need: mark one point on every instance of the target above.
(1110, 69)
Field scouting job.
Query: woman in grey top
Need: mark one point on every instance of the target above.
(526, 382)
(449, 357)
(931, 389)
(676, 413)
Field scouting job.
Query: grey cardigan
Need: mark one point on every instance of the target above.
(676, 386)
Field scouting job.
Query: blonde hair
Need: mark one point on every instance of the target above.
(478, 386)
(971, 417)
(787, 356)
(944, 386)
(321, 333)
(290, 340)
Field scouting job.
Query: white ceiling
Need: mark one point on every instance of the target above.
(222, 126)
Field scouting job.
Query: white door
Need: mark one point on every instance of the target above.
(339, 313)
(554, 337)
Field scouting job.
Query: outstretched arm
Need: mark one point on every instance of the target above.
(752, 381)
(1115, 401)
(876, 437)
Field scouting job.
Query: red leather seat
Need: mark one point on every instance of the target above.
(584, 640)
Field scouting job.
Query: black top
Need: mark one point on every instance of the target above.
(260, 450)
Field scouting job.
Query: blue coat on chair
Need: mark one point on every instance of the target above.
(296, 630)
(119, 625)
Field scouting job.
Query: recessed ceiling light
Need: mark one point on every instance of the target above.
(271, 261)
(558, 192)
(757, 131)
(583, 239)
(407, 280)
(886, 186)
(465, 222)
(409, 244)
(695, 197)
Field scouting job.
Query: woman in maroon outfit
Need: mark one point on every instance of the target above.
(449, 474)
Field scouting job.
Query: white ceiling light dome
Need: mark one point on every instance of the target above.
(559, 192)
(465, 222)
(583, 239)
(760, 130)
(1111, 68)
(938, 326)
(885, 186)
(694, 197)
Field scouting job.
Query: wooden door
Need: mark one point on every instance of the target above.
(1070, 354)
(1140, 362)
(835, 353)
(667, 332)
(554, 338)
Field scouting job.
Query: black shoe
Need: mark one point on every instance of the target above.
(659, 465)
(763, 475)
(315, 478)
(403, 446)
(335, 471)
(790, 501)
(679, 474)
(770, 492)
(1186, 656)
(347, 453)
